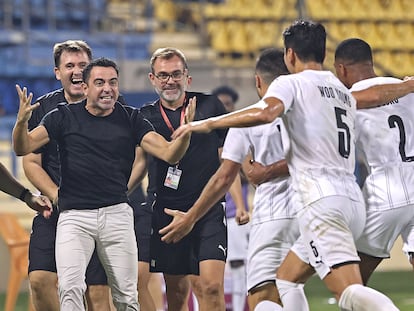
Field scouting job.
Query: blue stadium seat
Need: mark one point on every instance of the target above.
(136, 46)
(138, 99)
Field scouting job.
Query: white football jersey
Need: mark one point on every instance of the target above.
(385, 138)
(320, 118)
(272, 200)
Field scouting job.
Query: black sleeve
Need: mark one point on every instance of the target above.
(141, 126)
(53, 121)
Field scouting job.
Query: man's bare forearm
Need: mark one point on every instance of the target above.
(378, 95)
(215, 189)
(20, 138)
(178, 148)
(39, 177)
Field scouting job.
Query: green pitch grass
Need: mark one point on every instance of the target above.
(399, 286)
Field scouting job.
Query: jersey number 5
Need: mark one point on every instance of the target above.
(344, 135)
(396, 121)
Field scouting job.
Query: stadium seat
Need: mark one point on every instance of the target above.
(407, 10)
(403, 33)
(165, 12)
(383, 35)
(320, 9)
(393, 11)
(17, 242)
(402, 64)
(384, 62)
(239, 39)
(285, 10)
(270, 35)
(219, 36)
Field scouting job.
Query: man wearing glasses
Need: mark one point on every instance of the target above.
(173, 189)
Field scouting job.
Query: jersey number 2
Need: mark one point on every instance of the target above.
(344, 135)
(396, 121)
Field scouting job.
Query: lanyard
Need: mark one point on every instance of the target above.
(167, 121)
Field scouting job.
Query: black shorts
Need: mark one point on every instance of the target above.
(142, 224)
(207, 241)
(42, 251)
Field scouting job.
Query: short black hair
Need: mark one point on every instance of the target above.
(270, 64)
(307, 39)
(354, 50)
(99, 62)
(227, 90)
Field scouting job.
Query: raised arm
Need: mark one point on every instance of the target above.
(171, 152)
(215, 189)
(25, 142)
(265, 111)
(378, 95)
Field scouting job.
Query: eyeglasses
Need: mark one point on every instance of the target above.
(164, 76)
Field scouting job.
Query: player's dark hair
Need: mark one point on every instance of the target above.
(227, 90)
(307, 39)
(354, 50)
(99, 62)
(270, 64)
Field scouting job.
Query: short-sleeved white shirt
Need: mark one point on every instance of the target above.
(385, 138)
(320, 118)
(272, 200)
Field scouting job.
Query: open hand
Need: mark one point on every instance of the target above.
(178, 228)
(25, 105)
(190, 110)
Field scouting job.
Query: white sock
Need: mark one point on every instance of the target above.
(267, 305)
(238, 278)
(362, 298)
(292, 296)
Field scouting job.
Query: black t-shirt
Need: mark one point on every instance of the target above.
(96, 153)
(200, 161)
(50, 155)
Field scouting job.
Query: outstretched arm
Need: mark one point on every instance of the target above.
(13, 187)
(216, 188)
(265, 111)
(25, 142)
(378, 95)
(171, 152)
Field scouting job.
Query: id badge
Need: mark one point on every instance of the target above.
(173, 178)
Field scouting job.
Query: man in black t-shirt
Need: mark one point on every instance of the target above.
(96, 138)
(42, 168)
(176, 187)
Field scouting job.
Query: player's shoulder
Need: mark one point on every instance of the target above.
(149, 108)
(50, 101)
(52, 98)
